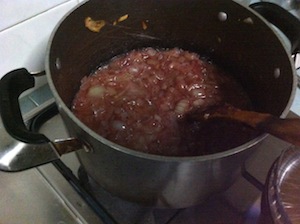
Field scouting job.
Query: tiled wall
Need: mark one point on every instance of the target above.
(25, 27)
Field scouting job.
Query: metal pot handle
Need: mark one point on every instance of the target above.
(283, 20)
(20, 148)
(11, 86)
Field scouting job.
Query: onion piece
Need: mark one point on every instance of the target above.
(96, 91)
(181, 106)
(111, 91)
(198, 102)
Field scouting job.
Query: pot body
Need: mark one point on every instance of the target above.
(233, 36)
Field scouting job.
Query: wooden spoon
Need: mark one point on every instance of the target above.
(287, 129)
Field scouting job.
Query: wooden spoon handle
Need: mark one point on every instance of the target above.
(285, 129)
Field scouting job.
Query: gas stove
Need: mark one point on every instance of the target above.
(61, 192)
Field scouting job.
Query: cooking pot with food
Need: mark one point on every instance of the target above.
(234, 37)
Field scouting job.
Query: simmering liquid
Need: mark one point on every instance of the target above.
(139, 99)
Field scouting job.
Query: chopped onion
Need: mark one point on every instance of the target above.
(197, 93)
(96, 91)
(151, 51)
(198, 102)
(134, 69)
(181, 106)
(137, 98)
(111, 91)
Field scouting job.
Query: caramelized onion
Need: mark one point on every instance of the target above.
(137, 98)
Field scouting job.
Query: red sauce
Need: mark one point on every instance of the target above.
(138, 99)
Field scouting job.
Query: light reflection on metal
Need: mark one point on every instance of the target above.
(10, 155)
(16, 155)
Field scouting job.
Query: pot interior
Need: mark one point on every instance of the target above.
(231, 35)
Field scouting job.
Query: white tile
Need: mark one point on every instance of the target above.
(297, 61)
(16, 11)
(296, 104)
(24, 45)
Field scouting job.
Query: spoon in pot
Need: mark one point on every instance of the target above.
(286, 129)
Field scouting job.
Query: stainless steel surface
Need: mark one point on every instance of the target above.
(16, 155)
(42, 195)
(53, 199)
(29, 197)
(239, 204)
(168, 181)
(37, 195)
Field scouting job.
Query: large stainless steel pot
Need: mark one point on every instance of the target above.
(235, 36)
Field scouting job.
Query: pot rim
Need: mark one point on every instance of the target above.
(230, 152)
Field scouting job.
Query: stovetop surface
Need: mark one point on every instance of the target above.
(54, 200)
